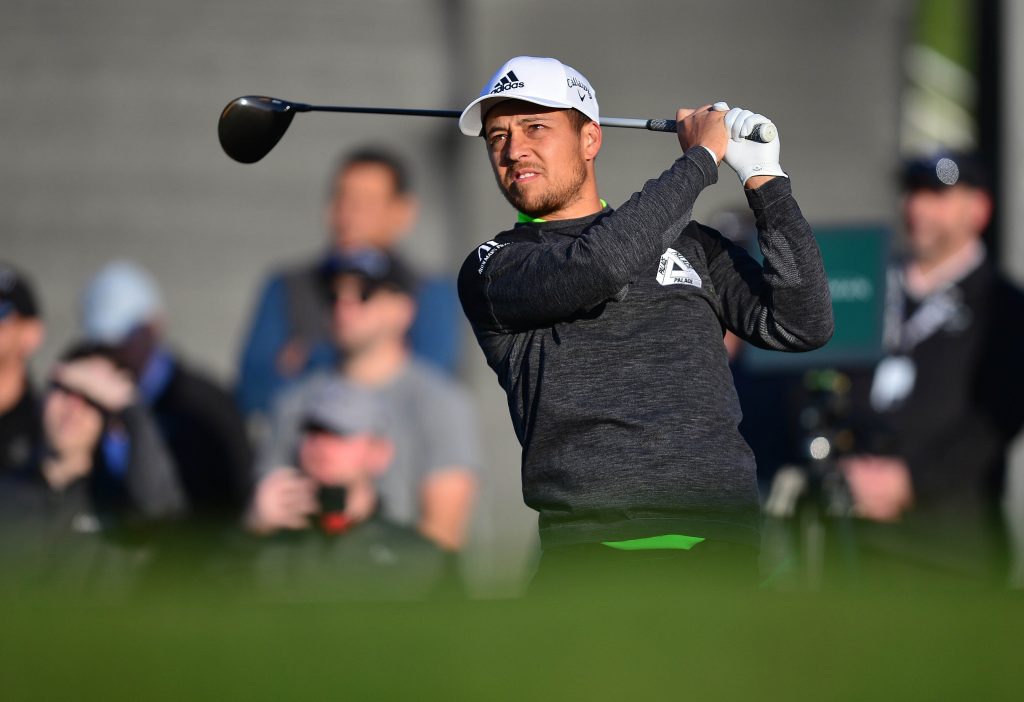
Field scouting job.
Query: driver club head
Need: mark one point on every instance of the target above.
(251, 126)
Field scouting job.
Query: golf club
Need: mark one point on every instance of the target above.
(250, 126)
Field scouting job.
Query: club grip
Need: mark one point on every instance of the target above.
(763, 133)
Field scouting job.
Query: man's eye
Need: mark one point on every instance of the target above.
(496, 139)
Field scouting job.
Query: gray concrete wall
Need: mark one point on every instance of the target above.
(109, 144)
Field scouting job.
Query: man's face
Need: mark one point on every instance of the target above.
(135, 350)
(365, 317)
(19, 336)
(337, 461)
(940, 222)
(72, 424)
(539, 157)
(365, 210)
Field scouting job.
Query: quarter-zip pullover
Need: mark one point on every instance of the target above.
(606, 335)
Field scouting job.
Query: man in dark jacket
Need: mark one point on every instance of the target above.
(605, 326)
(937, 413)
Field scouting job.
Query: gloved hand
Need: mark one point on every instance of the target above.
(749, 158)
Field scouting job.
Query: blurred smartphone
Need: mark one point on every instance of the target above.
(332, 520)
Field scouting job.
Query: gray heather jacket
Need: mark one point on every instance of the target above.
(606, 335)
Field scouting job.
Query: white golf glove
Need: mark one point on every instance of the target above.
(749, 158)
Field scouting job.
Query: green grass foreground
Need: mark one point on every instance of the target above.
(929, 643)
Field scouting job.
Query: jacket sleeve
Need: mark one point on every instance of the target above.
(152, 480)
(519, 284)
(258, 377)
(785, 303)
(958, 461)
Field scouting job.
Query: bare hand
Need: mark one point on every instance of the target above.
(99, 380)
(284, 499)
(703, 126)
(880, 485)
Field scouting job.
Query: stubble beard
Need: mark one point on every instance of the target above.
(555, 198)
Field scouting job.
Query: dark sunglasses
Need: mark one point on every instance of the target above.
(61, 387)
(367, 289)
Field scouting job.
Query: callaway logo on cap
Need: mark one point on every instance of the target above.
(542, 81)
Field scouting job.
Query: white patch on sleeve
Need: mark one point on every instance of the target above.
(674, 269)
(485, 251)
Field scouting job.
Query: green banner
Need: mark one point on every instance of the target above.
(855, 261)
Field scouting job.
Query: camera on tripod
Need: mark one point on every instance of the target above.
(808, 507)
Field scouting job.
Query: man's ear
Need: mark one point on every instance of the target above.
(591, 140)
(406, 209)
(980, 210)
(404, 311)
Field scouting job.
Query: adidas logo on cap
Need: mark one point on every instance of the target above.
(509, 81)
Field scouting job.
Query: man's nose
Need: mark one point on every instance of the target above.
(515, 147)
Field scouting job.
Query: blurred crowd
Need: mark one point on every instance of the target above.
(345, 461)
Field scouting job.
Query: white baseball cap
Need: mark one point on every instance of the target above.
(542, 81)
(120, 298)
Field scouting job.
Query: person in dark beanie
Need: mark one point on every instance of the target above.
(936, 415)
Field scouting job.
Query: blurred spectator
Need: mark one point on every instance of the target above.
(122, 308)
(21, 334)
(75, 518)
(327, 535)
(938, 412)
(431, 482)
(371, 206)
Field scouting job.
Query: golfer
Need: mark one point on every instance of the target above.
(605, 326)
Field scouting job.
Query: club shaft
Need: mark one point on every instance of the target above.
(761, 133)
(654, 125)
(299, 107)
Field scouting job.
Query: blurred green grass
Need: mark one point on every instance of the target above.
(927, 643)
